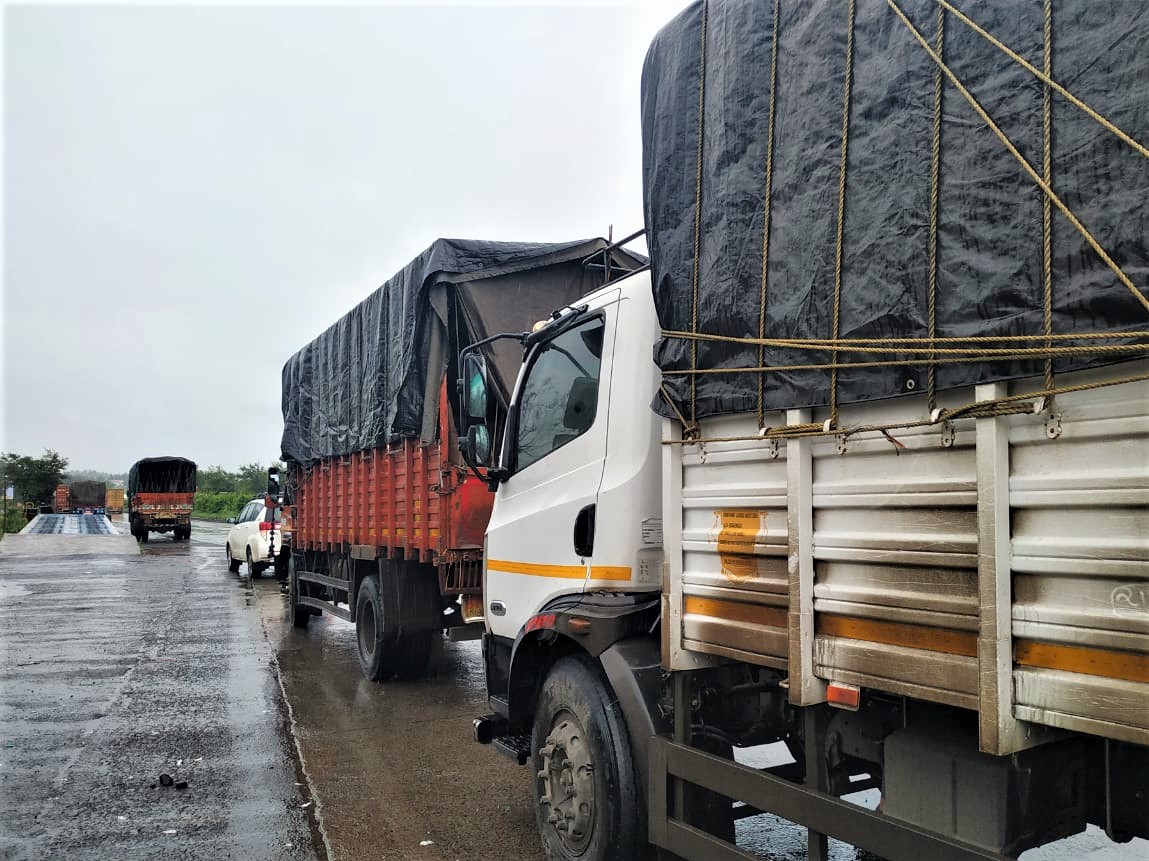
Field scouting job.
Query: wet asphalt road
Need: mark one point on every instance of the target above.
(115, 669)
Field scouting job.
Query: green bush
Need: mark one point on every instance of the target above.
(15, 520)
(219, 506)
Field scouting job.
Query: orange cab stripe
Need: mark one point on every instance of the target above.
(1082, 659)
(609, 572)
(566, 572)
(898, 634)
(735, 611)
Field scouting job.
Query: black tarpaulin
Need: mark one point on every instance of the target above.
(88, 494)
(162, 475)
(989, 249)
(374, 376)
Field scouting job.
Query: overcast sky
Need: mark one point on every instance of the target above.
(192, 194)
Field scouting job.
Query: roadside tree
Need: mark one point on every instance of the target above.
(34, 478)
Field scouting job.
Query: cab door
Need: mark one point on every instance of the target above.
(538, 539)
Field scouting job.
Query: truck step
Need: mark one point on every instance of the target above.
(517, 747)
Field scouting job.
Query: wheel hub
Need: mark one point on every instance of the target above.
(567, 776)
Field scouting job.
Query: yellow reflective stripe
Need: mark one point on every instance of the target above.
(610, 572)
(566, 572)
(925, 637)
(735, 611)
(1129, 666)
(569, 572)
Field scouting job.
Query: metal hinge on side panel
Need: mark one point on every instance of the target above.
(947, 430)
(771, 443)
(1052, 418)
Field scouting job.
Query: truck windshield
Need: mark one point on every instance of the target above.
(559, 398)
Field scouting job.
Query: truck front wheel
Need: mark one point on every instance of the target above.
(590, 806)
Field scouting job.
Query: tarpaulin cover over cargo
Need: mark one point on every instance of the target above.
(375, 375)
(162, 475)
(813, 170)
(88, 494)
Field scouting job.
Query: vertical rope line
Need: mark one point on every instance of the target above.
(846, 96)
(698, 215)
(935, 169)
(1022, 161)
(1047, 175)
(766, 213)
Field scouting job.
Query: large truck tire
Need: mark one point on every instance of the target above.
(369, 630)
(382, 655)
(590, 804)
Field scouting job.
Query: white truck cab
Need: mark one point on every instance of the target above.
(574, 555)
(577, 504)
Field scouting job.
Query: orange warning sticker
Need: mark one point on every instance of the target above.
(738, 530)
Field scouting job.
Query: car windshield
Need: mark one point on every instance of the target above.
(272, 515)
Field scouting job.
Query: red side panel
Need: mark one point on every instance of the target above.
(406, 499)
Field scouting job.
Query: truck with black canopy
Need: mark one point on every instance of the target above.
(160, 497)
(387, 518)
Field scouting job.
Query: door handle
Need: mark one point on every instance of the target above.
(584, 532)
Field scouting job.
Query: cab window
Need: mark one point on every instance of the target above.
(559, 398)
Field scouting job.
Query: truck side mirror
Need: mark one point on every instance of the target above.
(478, 443)
(475, 443)
(273, 483)
(474, 387)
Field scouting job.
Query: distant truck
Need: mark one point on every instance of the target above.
(62, 500)
(87, 497)
(160, 497)
(114, 500)
(387, 520)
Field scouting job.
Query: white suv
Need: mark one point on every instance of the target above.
(252, 536)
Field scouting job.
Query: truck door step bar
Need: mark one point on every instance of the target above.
(517, 747)
(492, 730)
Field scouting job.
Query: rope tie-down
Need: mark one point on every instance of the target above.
(836, 354)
